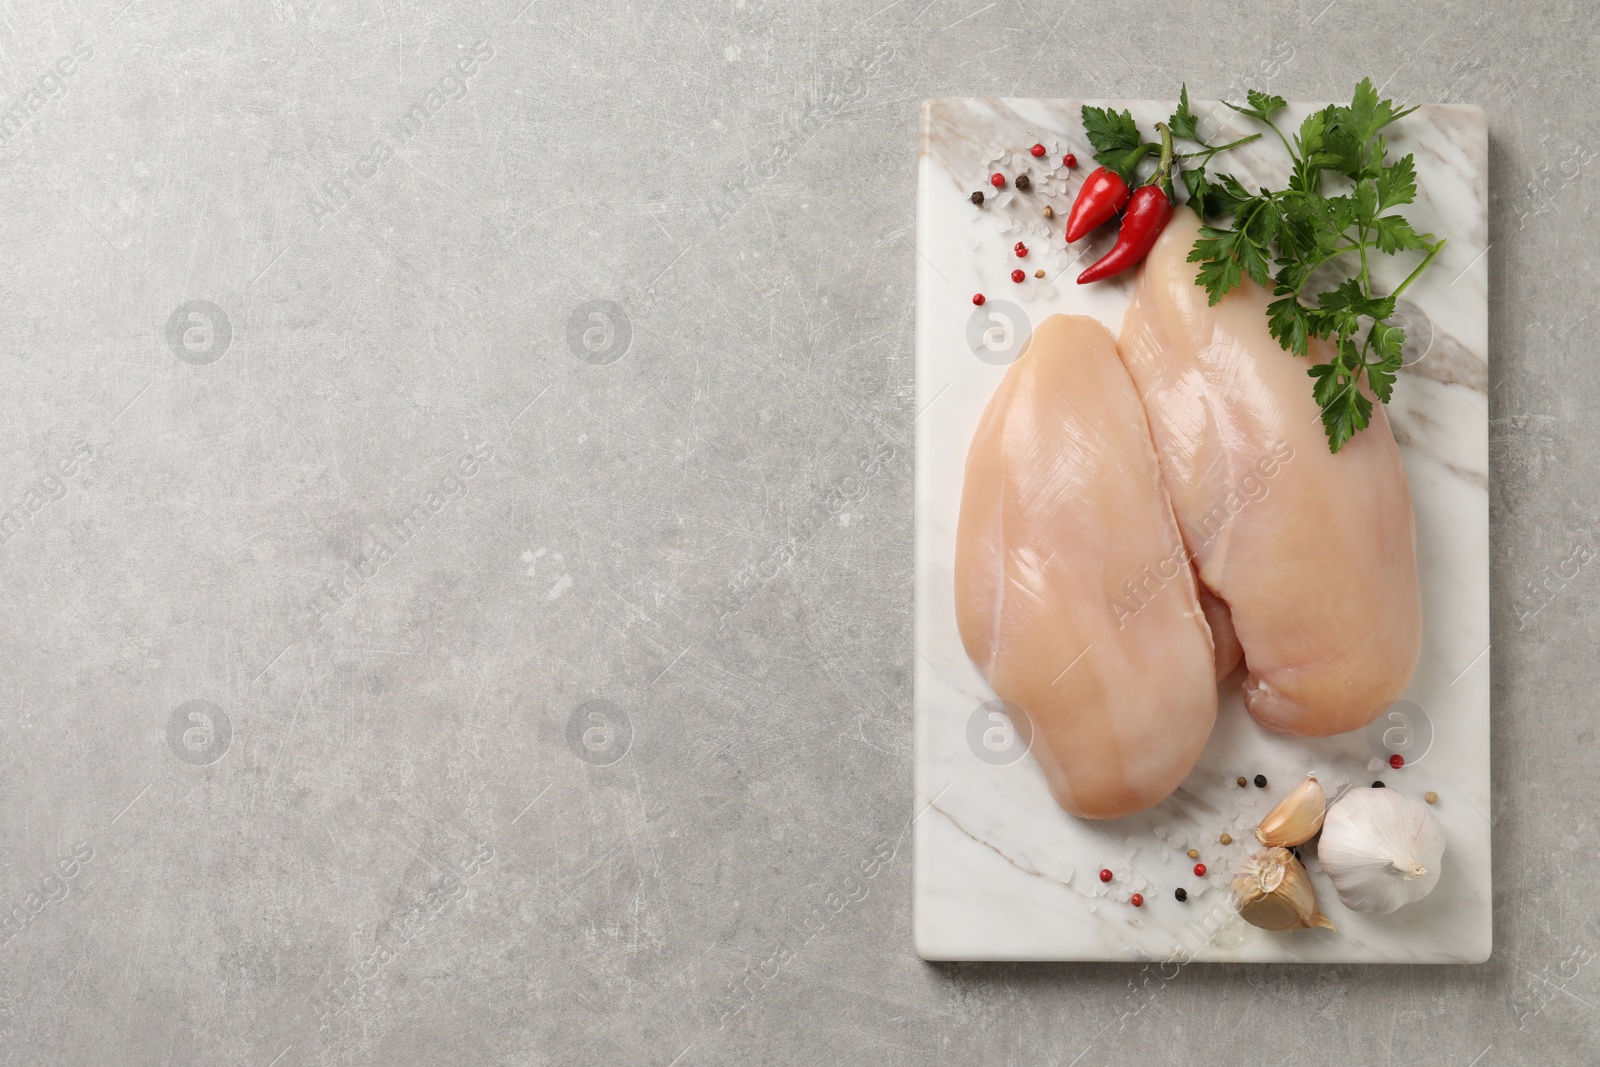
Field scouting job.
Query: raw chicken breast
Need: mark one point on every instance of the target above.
(1223, 640)
(1074, 593)
(1313, 553)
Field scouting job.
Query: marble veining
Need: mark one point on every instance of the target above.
(1001, 873)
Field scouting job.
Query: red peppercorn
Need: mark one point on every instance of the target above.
(1137, 900)
(1069, 161)
(1018, 275)
(1105, 874)
(1199, 870)
(1021, 250)
(1397, 761)
(1037, 150)
(977, 298)
(997, 180)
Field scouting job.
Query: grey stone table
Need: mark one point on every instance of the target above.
(456, 560)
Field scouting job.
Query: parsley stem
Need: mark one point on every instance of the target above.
(1414, 275)
(1209, 150)
(1366, 278)
(1281, 137)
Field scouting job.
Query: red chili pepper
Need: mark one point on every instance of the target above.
(1101, 196)
(1149, 211)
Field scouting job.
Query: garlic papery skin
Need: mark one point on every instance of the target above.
(1273, 891)
(1381, 849)
(1297, 817)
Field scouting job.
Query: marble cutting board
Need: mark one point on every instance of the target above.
(1001, 873)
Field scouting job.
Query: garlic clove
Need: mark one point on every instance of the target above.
(1273, 891)
(1381, 849)
(1298, 816)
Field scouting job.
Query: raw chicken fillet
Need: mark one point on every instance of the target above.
(1314, 554)
(1074, 592)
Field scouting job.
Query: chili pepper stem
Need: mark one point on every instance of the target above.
(1163, 175)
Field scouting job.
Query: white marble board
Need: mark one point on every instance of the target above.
(1001, 872)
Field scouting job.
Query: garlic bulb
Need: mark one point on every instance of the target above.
(1273, 891)
(1381, 849)
(1298, 816)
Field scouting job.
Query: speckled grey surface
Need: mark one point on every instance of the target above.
(457, 578)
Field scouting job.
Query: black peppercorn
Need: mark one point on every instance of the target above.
(1023, 183)
(1261, 781)
(1379, 785)
(977, 198)
(1181, 894)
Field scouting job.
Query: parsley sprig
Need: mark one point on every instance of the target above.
(1118, 144)
(1279, 237)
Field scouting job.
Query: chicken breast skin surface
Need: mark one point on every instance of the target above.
(1062, 510)
(1314, 554)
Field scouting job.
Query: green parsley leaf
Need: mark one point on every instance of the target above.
(1397, 184)
(1308, 142)
(1289, 325)
(1266, 106)
(1194, 180)
(1393, 233)
(1345, 409)
(1182, 122)
(1386, 342)
(1347, 296)
(1110, 131)
(1261, 106)
(1225, 257)
(1115, 137)
(1286, 237)
(1367, 114)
